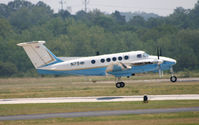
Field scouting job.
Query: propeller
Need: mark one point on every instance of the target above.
(159, 53)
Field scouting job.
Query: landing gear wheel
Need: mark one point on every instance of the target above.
(173, 78)
(122, 84)
(118, 85)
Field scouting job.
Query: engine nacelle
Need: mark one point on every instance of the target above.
(117, 67)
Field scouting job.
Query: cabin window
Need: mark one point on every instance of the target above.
(72, 64)
(93, 61)
(126, 57)
(114, 58)
(139, 55)
(82, 63)
(102, 60)
(108, 59)
(119, 58)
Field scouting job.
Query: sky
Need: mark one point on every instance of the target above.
(160, 7)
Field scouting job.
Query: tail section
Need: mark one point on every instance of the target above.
(39, 55)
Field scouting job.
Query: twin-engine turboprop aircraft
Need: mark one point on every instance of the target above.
(119, 64)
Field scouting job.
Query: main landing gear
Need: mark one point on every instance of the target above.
(119, 83)
(172, 78)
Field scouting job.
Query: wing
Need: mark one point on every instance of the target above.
(117, 67)
(124, 69)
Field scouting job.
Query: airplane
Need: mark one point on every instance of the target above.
(123, 64)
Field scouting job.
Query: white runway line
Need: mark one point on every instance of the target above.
(97, 99)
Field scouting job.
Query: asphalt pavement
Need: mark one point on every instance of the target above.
(97, 99)
(97, 113)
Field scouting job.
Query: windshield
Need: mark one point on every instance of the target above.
(145, 55)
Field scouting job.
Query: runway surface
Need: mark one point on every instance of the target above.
(155, 80)
(98, 99)
(97, 113)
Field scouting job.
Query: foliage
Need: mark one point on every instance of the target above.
(7, 69)
(84, 34)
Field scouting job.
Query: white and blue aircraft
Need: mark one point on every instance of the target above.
(123, 64)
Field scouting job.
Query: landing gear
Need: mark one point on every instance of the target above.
(119, 84)
(172, 78)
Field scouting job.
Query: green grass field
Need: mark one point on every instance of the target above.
(18, 109)
(187, 118)
(82, 86)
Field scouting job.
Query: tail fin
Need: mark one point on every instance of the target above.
(39, 55)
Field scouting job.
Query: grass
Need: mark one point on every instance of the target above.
(183, 118)
(82, 86)
(17, 109)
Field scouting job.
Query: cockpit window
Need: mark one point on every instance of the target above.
(145, 55)
(139, 55)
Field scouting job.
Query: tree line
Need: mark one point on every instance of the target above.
(83, 34)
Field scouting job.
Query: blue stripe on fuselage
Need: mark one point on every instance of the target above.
(102, 71)
(86, 72)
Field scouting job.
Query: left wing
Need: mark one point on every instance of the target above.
(121, 69)
(117, 67)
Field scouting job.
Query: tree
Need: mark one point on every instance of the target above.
(7, 69)
(118, 17)
(5, 29)
(64, 14)
(3, 11)
(137, 21)
(18, 4)
(25, 16)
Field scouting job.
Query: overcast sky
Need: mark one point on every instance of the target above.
(161, 7)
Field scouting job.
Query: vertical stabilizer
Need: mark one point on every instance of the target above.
(39, 54)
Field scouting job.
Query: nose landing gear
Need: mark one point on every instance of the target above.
(173, 78)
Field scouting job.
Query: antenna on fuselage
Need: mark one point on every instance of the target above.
(97, 53)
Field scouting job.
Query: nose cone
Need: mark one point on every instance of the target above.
(169, 61)
(172, 61)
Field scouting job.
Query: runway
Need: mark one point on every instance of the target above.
(98, 99)
(101, 99)
(97, 113)
(155, 80)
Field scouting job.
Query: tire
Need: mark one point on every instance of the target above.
(118, 85)
(173, 78)
(122, 84)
